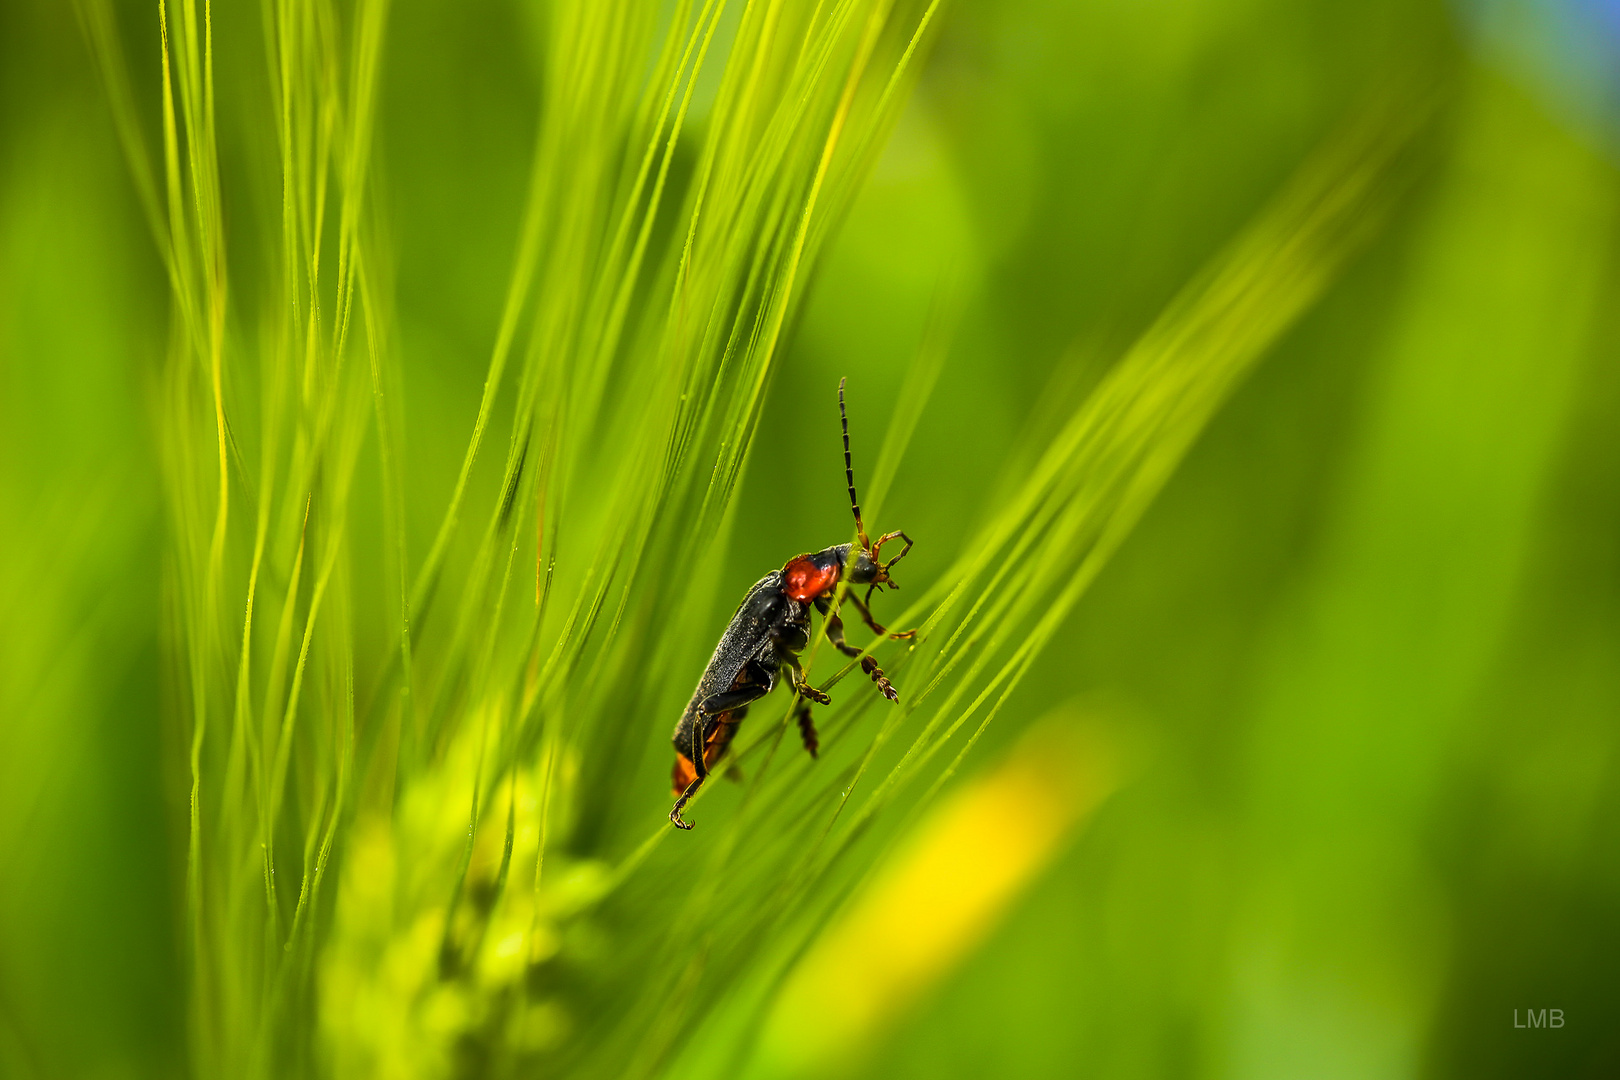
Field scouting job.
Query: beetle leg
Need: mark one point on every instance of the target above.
(702, 770)
(732, 701)
(801, 685)
(729, 700)
(691, 789)
(833, 626)
(866, 613)
(877, 546)
(807, 730)
(790, 638)
(885, 687)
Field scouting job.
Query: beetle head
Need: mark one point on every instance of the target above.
(862, 570)
(866, 566)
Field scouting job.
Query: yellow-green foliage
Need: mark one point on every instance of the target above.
(434, 846)
(412, 973)
(425, 802)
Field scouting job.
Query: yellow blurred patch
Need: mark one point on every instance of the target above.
(949, 884)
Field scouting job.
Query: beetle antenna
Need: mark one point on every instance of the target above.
(849, 470)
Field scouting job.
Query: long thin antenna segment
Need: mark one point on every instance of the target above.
(849, 470)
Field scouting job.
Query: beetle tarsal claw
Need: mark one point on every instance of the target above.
(815, 695)
(807, 731)
(885, 687)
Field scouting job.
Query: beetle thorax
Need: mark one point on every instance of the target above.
(807, 577)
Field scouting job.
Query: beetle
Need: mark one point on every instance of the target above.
(765, 636)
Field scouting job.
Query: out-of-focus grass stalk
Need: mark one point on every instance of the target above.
(270, 769)
(1035, 559)
(507, 901)
(263, 396)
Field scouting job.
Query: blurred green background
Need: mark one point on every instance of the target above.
(1368, 639)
